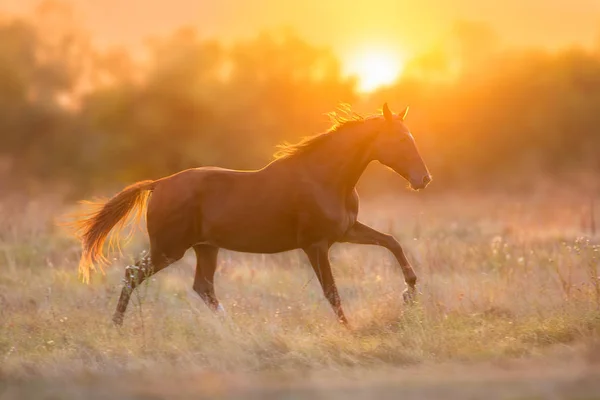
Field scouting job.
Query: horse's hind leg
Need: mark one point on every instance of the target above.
(147, 266)
(206, 265)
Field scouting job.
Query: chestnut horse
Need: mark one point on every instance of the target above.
(304, 199)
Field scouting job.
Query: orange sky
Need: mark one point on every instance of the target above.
(341, 23)
(402, 26)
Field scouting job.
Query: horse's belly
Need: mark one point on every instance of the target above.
(254, 239)
(264, 247)
(251, 228)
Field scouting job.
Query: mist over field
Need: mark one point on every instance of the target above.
(504, 241)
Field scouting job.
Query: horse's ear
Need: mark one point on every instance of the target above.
(387, 113)
(403, 114)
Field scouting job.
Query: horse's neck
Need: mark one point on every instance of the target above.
(341, 161)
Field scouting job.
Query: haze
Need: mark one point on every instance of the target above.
(409, 25)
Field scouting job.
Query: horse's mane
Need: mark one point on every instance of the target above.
(340, 119)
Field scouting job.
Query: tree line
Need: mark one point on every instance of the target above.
(87, 119)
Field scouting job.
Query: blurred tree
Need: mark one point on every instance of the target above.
(200, 103)
(100, 118)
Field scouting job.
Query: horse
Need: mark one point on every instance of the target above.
(305, 198)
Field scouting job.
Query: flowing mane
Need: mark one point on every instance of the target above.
(340, 119)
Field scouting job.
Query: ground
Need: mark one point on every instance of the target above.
(509, 308)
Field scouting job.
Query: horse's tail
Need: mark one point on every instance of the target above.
(93, 228)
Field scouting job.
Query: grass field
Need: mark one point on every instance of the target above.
(509, 308)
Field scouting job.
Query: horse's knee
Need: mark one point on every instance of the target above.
(390, 241)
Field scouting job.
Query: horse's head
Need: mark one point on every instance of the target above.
(395, 147)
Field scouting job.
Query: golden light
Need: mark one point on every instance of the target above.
(374, 68)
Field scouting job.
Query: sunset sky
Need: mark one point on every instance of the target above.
(398, 29)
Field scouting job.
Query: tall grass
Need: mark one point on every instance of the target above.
(500, 278)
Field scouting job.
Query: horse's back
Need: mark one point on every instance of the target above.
(239, 210)
(249, 211)
(180, 194)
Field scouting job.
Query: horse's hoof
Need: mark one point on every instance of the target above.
(118, 320)
(409, 295)
(221, 311)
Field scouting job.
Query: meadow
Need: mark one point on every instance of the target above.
(505, 241)
(509, 308)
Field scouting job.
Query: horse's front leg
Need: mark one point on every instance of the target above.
(318, 255)
(363, 234)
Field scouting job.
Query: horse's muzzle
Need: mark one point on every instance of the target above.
(418, 184)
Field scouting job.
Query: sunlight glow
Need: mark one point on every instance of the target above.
(374, 68)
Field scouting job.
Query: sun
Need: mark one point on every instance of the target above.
(374, 68)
